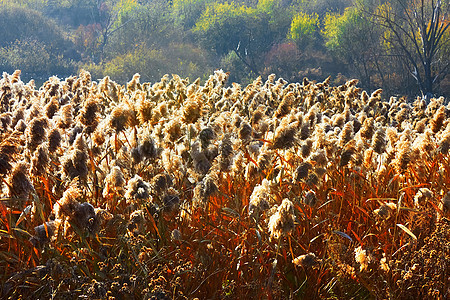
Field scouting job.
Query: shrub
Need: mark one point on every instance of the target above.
(184, 59)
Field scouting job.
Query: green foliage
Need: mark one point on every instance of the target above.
(72, 13)
(268, 5)
(187, 12)
(332, 26)
(29, 55)
(304, 28)
(350, 32)
(353, 38)
(280, 17)
(122, 10)
(150, 24)
(34, 44)
(184, 59)
(246, 37)
(225, 27)
(32, 4)
(35, 59)
(19, 23)
(219, 14)
(322, 7)
(239, 72)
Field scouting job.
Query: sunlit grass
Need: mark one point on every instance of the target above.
(180, 190)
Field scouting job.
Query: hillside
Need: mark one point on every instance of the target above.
(401, 46)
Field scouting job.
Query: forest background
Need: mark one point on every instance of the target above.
(402, 46)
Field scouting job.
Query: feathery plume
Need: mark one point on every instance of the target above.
(205, 136)
(310, 198)
(306, 261)
(54, 140)
(282, 222)
(148, 148)
(137, 189)
(259, 199)
(40, 160)
(367, 128)
(347, 153)
(65, 119)
(264, 160)
(438, 119)
(35, 133)
(88, 115)
(346, 134)
(319, 157)
(379, 141)
(422, 196)
(74, 164)
(363, 258)
(19, 182)
(204, 190)
(137, 221)
(44, 233)
(302, 171)
(82, 215)
(192, 110)
(403, 155)
(115, 177)
(285, 136)
(119, 118)
(245, 132)
(385, 210)
(201, 163)
(285, 105)
(51, 107)
(160, 183)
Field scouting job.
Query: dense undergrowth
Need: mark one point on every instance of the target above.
(179, 190)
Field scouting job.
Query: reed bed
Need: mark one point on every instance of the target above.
(180, 190)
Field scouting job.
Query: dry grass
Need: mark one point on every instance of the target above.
(177, 190)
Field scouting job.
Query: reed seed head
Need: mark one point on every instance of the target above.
(282, 222)
(20, 185)
(259, 199)
(44, 233)
(36, 132)
(306, 261)
(285, 136)
(40, 160)
(137, 189)
(363, 258)
(379, 141)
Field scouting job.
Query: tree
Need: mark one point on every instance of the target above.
(304, 29)
(323, 7)
(151, 25)
(185, 60)
(19, 23)
(33, 43)
(187, 12)
(107, 18)
(111, 18)
(225, 27)
(72, 13)
(353, 38)
(417, 33)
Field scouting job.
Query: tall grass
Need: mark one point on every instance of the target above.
(179, 190)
